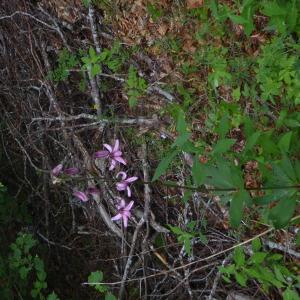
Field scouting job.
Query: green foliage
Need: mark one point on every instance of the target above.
(266, 268)
(66, 61)
(95, 279)
(185, 237)
(154, 12)
(113, 58)
(276, 73)
(135, 86)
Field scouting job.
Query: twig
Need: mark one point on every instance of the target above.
(191, 263)
(130, 256)
(282, 248)
(217, 279)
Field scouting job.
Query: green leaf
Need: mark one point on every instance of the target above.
(252, 140)
(197, 172)
(256, 245)
(284, 142)
(110, 296)
(239, 257)
(52, 296)
(96, 69)
(95, 277)
(223, 146)
(258, 258)
(164, 164)
(181, 139)
(290, 294)
(236, 207)
(281, 214)
(187, 246)
(241, 278)
(223, 126)
(181, 126)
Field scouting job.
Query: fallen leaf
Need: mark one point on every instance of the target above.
(194, 3)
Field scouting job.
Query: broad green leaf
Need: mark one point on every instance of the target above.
(252, 140)
(256, 245)
(258, 257)
(187, 245)
(290, 294)
(224, 126)
(223, 146)
(197, 172)
(288, 169)
(239, 257)
(52, 296)
(181, 139)
(284, 142)
(95, 277)
(237, 206)
(181, 126)
(110, 296)
(241, 278)
(176, 230)
(164, 164)
(96, 69)
(281, 214)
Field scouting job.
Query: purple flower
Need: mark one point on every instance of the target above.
(81, 195)
(71, 171)
(124, 183)
(113, 153)
(123, 212)
(57, 170)
(92, 190)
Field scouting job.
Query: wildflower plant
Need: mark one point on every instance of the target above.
(114, 155)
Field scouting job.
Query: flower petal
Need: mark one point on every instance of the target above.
(128, 192)
(116, 217)
(121, 186)
(116, 146)
(131, 179)
(57, 170)
(81, 195)
(125, 221)
(118, 153)
(129, 206)
(120, 160)
(108, 147)
(101, 154)
(123, 174)
(121, 203)
(71, 171)
(93, 190)
(112, 165)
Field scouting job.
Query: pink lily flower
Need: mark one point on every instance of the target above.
(123, 212)
(57, 170)
(83, 196)
(71, 171)
(113, 153)
(124, 183)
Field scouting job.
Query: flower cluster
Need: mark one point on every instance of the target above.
(114, 155)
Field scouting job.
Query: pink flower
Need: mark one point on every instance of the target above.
(57, 170)
(83, 196)
(123, 212)
(113, 153)
(71, 171)
(124, 183)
